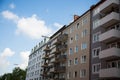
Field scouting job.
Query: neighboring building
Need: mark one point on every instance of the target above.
(58, 55)
(54, 66)
(105, 40)
(35, 62)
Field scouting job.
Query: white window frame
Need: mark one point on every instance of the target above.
(83, 45)
(97, 65)
(95, 37)
(83, 73)
(75, 61)
(94, 55)
(83, 59)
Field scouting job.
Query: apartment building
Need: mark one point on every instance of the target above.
(78, 48)
(35, 62)
(105, 40)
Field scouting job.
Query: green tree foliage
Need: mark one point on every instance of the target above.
(17, 74)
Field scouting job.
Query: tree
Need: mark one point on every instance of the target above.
(17, 74)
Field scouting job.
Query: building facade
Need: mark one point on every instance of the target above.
(78, 48)
(105, 40)
(35, 62)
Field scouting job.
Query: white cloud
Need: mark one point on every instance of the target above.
(9, 15)
(30, 26)
(4, 63)
(24, 59)
(12, 6)
(57, 25)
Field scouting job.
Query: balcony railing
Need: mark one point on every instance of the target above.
(108, 4)
(63, 37)
(55, 50)
(110, 35)
(109, 19)
(110, 53)
(63, 48)
(109, 73)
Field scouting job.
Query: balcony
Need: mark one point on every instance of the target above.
(45, 56)
(51, 55)
(109, 73)
(61, 69)
(62, 58)
(56, 41)
(54, 60)
(107, 5)
(52, 70)
(45, 65)
(109, 19)
(109, 36)
(55, 50)
(63, 48)
(47, 48)
(63, 37)
(110, 53)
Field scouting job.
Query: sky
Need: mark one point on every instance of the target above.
(23, 22)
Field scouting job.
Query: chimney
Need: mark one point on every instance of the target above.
(76, 17)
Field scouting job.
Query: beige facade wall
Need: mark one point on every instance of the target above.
(81, 39)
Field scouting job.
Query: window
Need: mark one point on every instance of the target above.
(82, 73)
(96, 37)
(96, 11)
(113, 64)
(77, 25)
(83, 59)
(84, 32)
(70, 51)
(76, 37)
(96, 23)
(69, 62)
(83, 46)
(71, 29)
(71, 39)
(76, 61)
(76, 49)
(75, 74)
(96, 51)
(96, 68)
(84, 20)
(68, 75)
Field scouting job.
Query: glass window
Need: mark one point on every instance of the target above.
(82, 73)
(96, 23)
(96, 68)
(83, 46)
(76, 49)
(71, 39)
(96, 37)
(76, 61)
(96, 11)
(84, 20)
(76, 37)
(70, 51)
(83, 59)
(77, 25)
(69, 62)
(75, 74)
(84, 32)
(96, 51)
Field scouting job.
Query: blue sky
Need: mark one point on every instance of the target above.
(23, 22)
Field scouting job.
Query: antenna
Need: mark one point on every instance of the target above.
(45, 36)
